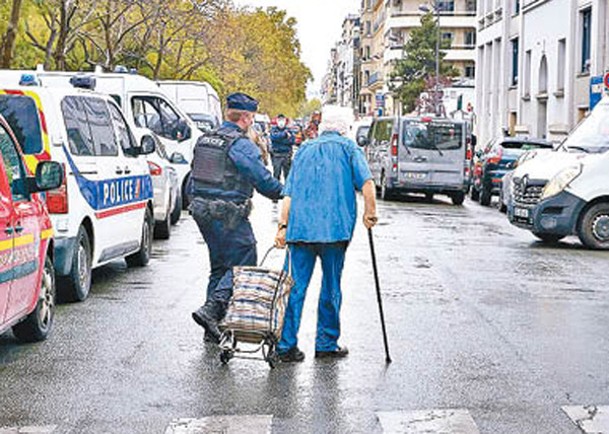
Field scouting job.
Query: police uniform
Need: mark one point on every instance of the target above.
(227, 166)
(282, 141)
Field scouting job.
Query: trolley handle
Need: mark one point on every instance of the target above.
(289, 253)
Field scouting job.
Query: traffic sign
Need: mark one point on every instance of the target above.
(606, 80)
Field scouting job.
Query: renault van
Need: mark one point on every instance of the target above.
(103, 210)
(418, 155)
(142, 102)
(197, 99)
(566, 192)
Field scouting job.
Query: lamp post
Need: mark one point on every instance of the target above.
(435, 7)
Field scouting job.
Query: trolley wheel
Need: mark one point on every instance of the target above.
(272, 359)
(225, 357)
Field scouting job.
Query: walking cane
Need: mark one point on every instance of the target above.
(378, 295)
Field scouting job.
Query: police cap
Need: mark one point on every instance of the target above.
(241, 101)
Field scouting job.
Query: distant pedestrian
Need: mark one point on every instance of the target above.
(318, 218)
(282, 142)
(226, 169)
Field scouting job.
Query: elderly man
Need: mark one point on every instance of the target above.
(226, 169)
(317, 220)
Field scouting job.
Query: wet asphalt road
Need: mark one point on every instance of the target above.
(481, 317)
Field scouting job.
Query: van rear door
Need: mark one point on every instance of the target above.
(432, 153)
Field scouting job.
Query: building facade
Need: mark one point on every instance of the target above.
(536, 61)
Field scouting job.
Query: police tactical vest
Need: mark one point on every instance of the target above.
(212, 168)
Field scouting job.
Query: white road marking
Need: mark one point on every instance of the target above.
(447, 421)
(28, 429)
(591, 419)
(256, 424)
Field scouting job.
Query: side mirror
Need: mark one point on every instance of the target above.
(148, 145)
(363, 141)
(49, 176)
(182, 131)
(178, 158)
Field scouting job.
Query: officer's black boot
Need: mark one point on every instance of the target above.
(206, 317)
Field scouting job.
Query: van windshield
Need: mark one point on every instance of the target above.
(443, 136)
(21, 114)
(592, 134)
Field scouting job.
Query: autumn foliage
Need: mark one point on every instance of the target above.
(252, 50)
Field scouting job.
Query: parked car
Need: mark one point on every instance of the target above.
(27, 283)
(418, 155)
(142, 101)
(495, 160)
(166, 189)
(506, 191)
(566, 192)
(103, 211)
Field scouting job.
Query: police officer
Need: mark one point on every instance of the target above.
(226, 169)
(282, 141)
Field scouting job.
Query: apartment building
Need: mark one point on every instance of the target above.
(385, 27)
(536, 62)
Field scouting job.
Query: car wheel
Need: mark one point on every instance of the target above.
(594, 227)
(386, 192)
(474, 194)
(37, 326)
(458, 198)
(162, 229)
(549, 238)
(142, 256)
(485, 196)
(78, 282)
(177, 210)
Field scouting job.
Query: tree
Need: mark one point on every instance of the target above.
(308, 107)
(415, 72)
(8, 41)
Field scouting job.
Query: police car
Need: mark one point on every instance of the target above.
(103, 210)
(27, 284)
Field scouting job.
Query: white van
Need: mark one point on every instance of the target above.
(103, 211)
(566, 192)
(142, 102)
(197, 99)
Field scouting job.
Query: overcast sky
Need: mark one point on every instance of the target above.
(319, 27)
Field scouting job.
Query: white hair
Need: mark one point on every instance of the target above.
(338, 119)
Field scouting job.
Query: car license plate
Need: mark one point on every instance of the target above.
(415, 176)
(522, 213)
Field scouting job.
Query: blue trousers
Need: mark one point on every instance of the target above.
(304, 256)
(228, 248)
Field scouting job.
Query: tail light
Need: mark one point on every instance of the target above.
(57, 200)
(394, 145)
(469, 154)
(494, 157)
(155, 169)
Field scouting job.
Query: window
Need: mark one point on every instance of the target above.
(382, 131)
(447, 39)
(560, 79)
(470, 38)
(446, 5)
(514, 62)
(157, 115)
(368, 28)
(470, 71)
(21, 114)
(367, 53)
(125, 138)
(440, 136)
(470, 6)
(586, 20)
(516, 7)
(12, 165)
(88, 126)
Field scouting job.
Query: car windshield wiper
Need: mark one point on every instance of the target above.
(578, 148)
(433, 145)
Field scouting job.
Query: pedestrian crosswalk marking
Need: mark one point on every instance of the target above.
(48, 429)
(256, 424)
(443, 421)
(591, 419)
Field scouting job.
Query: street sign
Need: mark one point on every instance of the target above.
(606, 81)
(596, 90)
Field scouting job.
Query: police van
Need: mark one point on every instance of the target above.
(103, 210)
(143, 103)
(197, 99)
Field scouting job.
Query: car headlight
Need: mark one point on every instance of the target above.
(561, 181)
